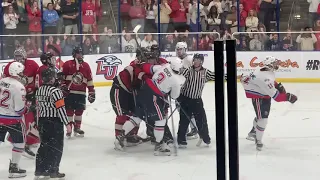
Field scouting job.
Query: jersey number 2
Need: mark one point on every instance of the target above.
(161, 77)
(4, 97)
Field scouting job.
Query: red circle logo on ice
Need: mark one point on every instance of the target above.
(77, 78)
(108, 66)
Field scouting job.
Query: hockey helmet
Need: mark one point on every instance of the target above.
(48, 75)
(271, 63)
(156, 50)
(20, 55)
(198, 60)
(176, 65)
(181, 49)
(16, 69)
(141, 54)
(48, 59)
(77, 53)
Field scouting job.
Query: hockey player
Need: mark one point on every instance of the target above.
(78, 77)
(187, 61)
(47, 60)
(151, 101)
(31, 67)
(260, 86)
(122, 95)
(12, 108)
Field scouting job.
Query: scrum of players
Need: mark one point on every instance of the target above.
(141, 92)
(18, 85)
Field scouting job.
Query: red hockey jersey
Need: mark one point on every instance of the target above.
(38, 79)
(127, 78)
(30, 71)
(78, 80)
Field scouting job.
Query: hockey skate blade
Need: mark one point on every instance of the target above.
(192, 137)
(156, 153)
(16, 175)
(250, 138)
(78, 135)
(41, 178)
(24, 154)
(199, 143)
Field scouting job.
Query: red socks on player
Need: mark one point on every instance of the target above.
(120, 120)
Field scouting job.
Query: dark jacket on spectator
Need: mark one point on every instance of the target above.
(107, 41)
(273, 45)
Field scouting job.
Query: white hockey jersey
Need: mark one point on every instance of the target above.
(167, 81)
(186, 62)
(261, 84)
(12, 103)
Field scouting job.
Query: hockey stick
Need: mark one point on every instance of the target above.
(184, 112)
(175, 152)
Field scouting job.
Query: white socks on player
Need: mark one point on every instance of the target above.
(260, 127)
(254, 122)
(129, 125)
(17, 151)
(158, 129)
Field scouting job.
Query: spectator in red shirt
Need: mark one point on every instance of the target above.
(180, 19)
(51, 42)
(34, 15)
(88, 16)
(124, 14)
(250, 4)
(138, 14)
(243, 16)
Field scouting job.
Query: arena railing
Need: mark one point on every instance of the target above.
(62, 44)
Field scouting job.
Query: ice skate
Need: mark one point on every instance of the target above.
(119, 142)
(57, 176)
(28, 153)
(133, 140)
(78, 132)
(182, 144)
(161, 149)
(193, 134)
(68, 135)
(259, 145)
(16, 172)
(41, 176)
(251, 135)
(201, 141)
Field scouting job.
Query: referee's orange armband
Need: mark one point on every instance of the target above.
(59, 103)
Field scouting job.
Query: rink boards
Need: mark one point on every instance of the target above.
(296, 66)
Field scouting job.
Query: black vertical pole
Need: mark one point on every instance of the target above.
(232, 110)
(219, 103)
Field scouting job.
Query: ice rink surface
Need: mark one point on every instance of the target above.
(292, 145)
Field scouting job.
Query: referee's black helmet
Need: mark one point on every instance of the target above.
(198, 57)
(48, 75)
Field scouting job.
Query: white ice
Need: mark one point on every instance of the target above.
(292, 145)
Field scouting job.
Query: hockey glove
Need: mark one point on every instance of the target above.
(291, 98)
(31, 97)
(92, 97)
(280, 88)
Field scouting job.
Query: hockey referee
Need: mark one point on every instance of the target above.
(52, 119)
(191, 102)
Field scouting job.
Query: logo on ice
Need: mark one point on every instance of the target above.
(108, 66)
(283, 63)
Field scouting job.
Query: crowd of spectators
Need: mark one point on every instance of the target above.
(177, 20)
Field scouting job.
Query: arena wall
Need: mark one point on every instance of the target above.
(296, 67)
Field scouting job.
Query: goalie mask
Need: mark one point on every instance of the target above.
(20, 55)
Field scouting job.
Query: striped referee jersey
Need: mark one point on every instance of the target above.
(195, 81)
(50, 103)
